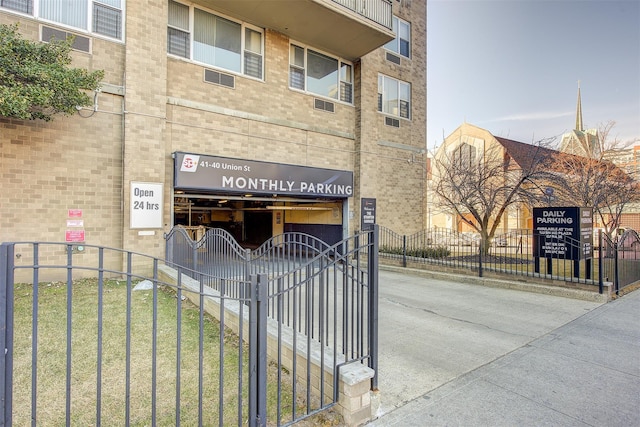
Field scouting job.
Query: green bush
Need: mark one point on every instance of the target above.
(430, 252)
(36, 79)
(390, 250)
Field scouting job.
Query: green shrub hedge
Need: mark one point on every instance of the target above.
(431, 252)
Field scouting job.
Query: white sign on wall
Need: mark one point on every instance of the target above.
(146, 204)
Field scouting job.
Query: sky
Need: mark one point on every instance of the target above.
(513, 67)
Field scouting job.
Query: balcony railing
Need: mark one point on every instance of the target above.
(379, 11)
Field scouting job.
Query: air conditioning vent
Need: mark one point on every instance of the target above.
(390, 121)
(80, 43)
(221, 79)
(320, 104)
(393, 58)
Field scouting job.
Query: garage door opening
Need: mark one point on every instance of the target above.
(252, 222)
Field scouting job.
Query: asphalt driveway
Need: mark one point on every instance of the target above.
(434, 331)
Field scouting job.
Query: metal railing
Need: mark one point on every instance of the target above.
(380, 11)
(512, 253)
(619, 259)
(321, 299)
(83, 345)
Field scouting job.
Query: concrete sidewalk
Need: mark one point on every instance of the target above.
(497, 357)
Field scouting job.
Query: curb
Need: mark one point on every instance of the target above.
(520, 285)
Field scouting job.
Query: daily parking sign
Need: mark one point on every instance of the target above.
(563, 232)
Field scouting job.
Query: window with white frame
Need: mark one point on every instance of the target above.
(394, 97)
(205, 37)
(103, 17)
(402, 43)
(320, 74)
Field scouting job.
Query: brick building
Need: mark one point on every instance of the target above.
(258, 117)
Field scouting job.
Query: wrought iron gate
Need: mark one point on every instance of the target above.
(322, 303)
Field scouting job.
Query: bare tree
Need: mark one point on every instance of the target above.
(596, 181)
(479, 187)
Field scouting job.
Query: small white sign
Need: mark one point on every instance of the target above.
(75, 223)
(146, 204)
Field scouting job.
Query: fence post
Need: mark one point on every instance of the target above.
(167, 255)
(404, 250)
(247, 263)
(373, 304)
(258, 351)
(616, 276)
(600, 263)
(194, 267)
(480, 258)
(6, 333)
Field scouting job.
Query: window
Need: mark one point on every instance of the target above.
(107, 18)
(204, 37)
(24, 6)
(402, 43)
(320, 74)
(346, 83)
(102, 17)
(465, 155)
(252, 53)
(74, 15)
(178, 36)
(296, 67)
(394, 97)
(216, 41)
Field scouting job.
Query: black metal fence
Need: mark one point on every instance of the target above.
(98, 335)
(322, 300)
(512, 253)
(619, 259)
(86, 345)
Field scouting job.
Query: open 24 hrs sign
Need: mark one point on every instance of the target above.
(146, 205)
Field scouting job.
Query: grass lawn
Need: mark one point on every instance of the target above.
(52, 359)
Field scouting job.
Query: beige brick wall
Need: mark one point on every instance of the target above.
(257, 120)
(389, 166)
(145, 115)
(168, 107)
(48, 168)
(270, 98)
(72, 162)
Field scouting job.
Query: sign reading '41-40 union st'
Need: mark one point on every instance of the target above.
(563, 232)
(227, 175)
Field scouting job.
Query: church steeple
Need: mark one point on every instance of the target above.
(579, 112)
(580, 141)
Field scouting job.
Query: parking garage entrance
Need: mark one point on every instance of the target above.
(256, 200)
